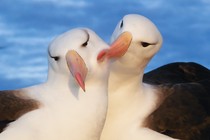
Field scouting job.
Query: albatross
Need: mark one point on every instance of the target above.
(72, 103)
(171, 102)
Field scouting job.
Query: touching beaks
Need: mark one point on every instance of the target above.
(77, 67)
(118, 48)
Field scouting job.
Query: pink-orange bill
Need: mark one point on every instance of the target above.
(118, 48)
(77, 67)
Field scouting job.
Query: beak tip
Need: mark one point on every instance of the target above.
(80, 81)
(77, 67)
(102, 55)
(120, 46)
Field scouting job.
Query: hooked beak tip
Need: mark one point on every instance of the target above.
(77, 67)
(118, 48)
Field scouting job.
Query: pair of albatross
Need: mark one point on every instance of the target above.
(171, 102)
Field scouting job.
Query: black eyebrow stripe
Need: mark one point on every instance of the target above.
(121, 24)
(49, 53)
(88, 36)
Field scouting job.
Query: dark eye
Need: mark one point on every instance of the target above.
(85, 44)
(56, 58)
(145, 44)
(121, 24)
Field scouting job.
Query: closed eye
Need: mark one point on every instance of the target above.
(56, 58)
(85, 44)
(145, 44)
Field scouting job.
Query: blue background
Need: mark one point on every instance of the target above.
(28, 26)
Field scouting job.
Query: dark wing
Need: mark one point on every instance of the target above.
(179, 72)
(13, 105)
(185, 112)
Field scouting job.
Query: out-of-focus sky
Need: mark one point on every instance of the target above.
(28, 26)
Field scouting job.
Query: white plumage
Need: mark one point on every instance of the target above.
(61, 109)
(130, 100)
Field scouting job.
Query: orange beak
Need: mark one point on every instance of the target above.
(77, 67)
(118, 48)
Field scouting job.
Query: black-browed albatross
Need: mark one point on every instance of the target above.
(130, 101)
(72, 103)
(160, 106)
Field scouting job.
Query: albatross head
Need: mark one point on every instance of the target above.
(145, 43)
(81, 55)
